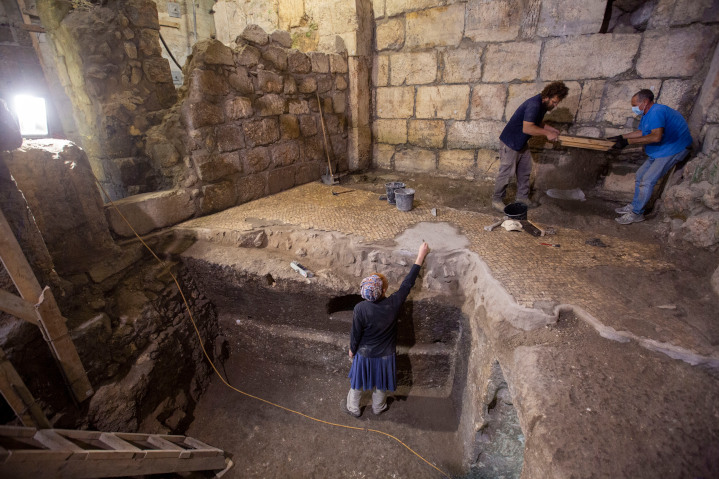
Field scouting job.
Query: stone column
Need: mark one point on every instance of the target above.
(359, 61)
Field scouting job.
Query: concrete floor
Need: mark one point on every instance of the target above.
(626, 386)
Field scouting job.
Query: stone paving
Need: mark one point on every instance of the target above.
(529, 271)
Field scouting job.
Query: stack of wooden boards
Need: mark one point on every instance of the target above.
(585, 142)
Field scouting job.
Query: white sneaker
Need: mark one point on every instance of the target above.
(624, 209)
(629, 218)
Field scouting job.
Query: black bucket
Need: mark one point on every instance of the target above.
(405, 198)
(516, 211)
(391, 187)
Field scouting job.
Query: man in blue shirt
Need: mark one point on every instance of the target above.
(514, 156)
(666, 135)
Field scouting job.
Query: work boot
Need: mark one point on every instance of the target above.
(527, 202)
(624, 209)
(343, 407)
(498, 205)
(629, 218)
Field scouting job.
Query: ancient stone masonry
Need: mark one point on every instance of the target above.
(248, 122)
(124, 311)
(108, 58)
(448, 75)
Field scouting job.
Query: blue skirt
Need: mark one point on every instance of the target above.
(370, 373)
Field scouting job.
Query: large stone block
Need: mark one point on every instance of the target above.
(591, 101)
(616, 106)
(313, 149)
(506, 62)
(463, 65)
(212, 167)
(285, 153)
(229, 137)
(395, 102)
(308, 172)
(198, 115)
(382, 155)
(218, 197)
(474, 134)
(493, 20)
(289, 127)
(157, 70)
(426, 133)
(212, 52)
(563, 113)
(338, 63)
(240, 80)
(413, 68)
(487, 163)
(588, 56)
(487, 102)
(682, 12)
(246, 55)
(282, 38)
(676, 52)
(320, 62)
(562, 17)
(446, 101)
(269, 82)
(206, 84)
(237, 108)
(679, 94)
(415, 160)
(150, 211)
(270, 104)
(276, 56)
(280, 180)
(256, 160)
(254, 34)
(456, 162)
(380, 70)
(390, 34)
(435, 27)
(251, 188)
(307, 85)
(393, 132)
(395, 7)
(261, 132)
(308, 125)
(298, 62)
(298, 107)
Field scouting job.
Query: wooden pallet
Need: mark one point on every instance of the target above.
(585, 142)
(31, 453)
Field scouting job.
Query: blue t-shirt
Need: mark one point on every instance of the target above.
(676, 135)
(533, 111)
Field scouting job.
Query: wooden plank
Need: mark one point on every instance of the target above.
(16, 264)
(169, 24)
(55, 332)
(18, 396)
(118, 444)
(585, 142)
(82, 435)
(161, 443)
(55, 442)
(4, 454)
(17, 431)
(200, 448)
(29, 27)
(60, 469)
(17, 306)
(35, 456)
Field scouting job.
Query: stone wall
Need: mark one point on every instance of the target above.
(109, 60)
(248, 122)
(448, 75)
(123, 310)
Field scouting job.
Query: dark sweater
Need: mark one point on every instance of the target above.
(374, 324)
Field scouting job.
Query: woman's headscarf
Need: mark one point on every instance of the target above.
(371, 288)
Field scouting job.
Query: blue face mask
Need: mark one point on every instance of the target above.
(637, 111)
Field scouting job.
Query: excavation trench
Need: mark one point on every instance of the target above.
(286, 340)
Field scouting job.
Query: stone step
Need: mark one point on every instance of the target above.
(427, 366)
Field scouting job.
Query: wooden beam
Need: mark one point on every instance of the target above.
(55, 332)
(16, 264)
(585, 142)
(17, 306)
(167, 23)
(31, 27)
(18, 396)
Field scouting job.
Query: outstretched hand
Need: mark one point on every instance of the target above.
(620, 143)
(422, 253)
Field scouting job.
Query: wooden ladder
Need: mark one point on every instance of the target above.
(27, 452)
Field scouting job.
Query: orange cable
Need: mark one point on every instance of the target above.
(207, 356)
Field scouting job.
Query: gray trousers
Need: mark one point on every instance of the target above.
(510, 163)
(379, 400)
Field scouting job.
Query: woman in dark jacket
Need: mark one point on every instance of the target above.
(373, 339)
